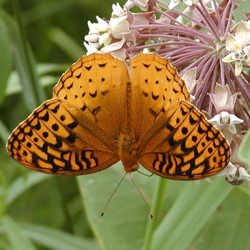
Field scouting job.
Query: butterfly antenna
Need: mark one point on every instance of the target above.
(103, 211)
(151, 216)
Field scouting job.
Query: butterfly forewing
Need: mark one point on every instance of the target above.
(97, 84)
(155, 87)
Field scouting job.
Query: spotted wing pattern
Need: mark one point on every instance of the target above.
(98, 116)
(97, 84)
(56, 139)
(155, 87)
(77, 131)
(183, 145)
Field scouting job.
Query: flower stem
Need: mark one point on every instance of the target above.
(158, 199)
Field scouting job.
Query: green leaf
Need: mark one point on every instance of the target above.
(24, 60)
(45, 71)
(66, 43)
(55, 239)
(124, 222)
(189, 214)
(159, 196)
(4, 132)
(6, 58)
(15, 235)
(22, 184)
(243, 153)
(3, 192)
(229, 227)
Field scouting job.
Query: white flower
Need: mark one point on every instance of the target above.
(189, 77)
(174, 3)
(110, 35)
(119, 27)
(222, 98)
(101, 26)
(224, 119)
(234, 174)
(142, 4)
(115, 49)
(117, 10)
(238, 46)
(90, 49)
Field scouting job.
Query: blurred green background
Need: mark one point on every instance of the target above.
(39, 211)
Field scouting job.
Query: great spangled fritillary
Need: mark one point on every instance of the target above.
(101, 113)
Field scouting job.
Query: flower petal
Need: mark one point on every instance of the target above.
(230, 42)
(101, 26)
(229, 58)
(90, 49)
(238, 67)
(242, 34)
(234, 119)
(173, 3)
(119, 28)
(92, 29)
(113, 46)
(92, 38)
(117, 10)
(105, 39)
(243, 174)
(189, 77)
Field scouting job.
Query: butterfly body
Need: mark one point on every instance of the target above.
(128, 152)
(101, 113)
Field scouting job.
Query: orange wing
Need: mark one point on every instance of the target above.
(183, 145)
(155, 87)
(77, 131)
(97, 85)
(57, 139)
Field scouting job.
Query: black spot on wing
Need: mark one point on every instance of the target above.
(45, 117)
(158, 69)
(55, 109)
(72, 125)
(102, 65)
(78, 76)
(88, 68)
(93, 95)
(146, 65)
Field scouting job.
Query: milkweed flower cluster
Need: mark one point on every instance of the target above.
(203, 42)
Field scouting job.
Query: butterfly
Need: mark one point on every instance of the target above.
(103, 112)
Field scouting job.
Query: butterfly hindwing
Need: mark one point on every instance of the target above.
(183, 145)
(56, 138)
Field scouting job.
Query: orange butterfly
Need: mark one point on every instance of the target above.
(101, 113)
